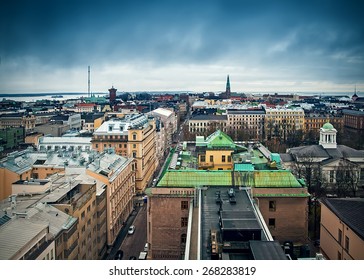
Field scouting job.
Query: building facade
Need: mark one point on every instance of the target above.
(248, 124)
(342, 228)
(281, 121)
(118, 175)
(17, 120)
(132, 136)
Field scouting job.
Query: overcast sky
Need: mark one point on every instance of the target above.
(136, 45)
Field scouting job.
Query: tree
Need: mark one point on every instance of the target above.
(294, 138)
(347, 179)
(307, 168)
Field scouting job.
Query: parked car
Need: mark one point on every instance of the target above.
(119, 255)
(146, 247)
(231, 192)
(131, 229)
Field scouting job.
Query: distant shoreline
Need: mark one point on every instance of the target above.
(85, 94)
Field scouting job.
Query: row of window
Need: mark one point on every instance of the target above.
(223, 158)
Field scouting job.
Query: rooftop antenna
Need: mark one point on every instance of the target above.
(88, 93)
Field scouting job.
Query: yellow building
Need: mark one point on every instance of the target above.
(132, 136)
(314, 123)
(215, 153)
(342, 228)
(12, 169)
(33, 138)
(77, 198)
(281, 121)
(118, 175)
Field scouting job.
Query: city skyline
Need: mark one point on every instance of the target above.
(265, 46)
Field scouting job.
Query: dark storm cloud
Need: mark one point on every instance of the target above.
(320, 38)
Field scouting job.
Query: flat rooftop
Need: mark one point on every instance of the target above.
(231, 219)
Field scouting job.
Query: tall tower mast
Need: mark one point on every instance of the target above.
(88, 92)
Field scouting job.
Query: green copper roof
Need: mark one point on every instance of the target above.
(219, 140)
(275, 179)
(303, 194)
(243, 167)
(275, 157)
(195, 178)
(256, 179)
(328, 126)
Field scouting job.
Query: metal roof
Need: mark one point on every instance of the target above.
(195, 178)
(219, 139)
(350, 211)
(275, 179)
(243, 167)
(267, 250)
(16, 234)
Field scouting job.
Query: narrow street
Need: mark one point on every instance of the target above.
(134, 243)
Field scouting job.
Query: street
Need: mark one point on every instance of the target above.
(134, 243)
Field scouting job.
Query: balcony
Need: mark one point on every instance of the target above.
(206, 164)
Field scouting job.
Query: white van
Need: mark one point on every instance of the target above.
(143, 256)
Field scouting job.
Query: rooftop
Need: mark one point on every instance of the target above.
(348, 210)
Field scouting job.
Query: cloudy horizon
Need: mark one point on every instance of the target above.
(264, 46)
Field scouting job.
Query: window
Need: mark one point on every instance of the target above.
(97, 145)
(211, 158)
(340, 235)
(347, 244)
(183, 238)
(184, 222)
(223, 159)
(83, 215)
(203, 158)
(272, 223)
(272, 205)
(229, 158)
(134, 154)
(134, 136)
(184, 205)
(332, 174)
(134, 146)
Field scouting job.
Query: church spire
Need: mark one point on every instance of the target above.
(228, 85)
(227, 91)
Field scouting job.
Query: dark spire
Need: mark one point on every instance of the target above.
(228, 87)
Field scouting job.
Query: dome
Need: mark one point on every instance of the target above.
(328, 126)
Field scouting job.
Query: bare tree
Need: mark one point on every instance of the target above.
(307, 168)
(347, 179)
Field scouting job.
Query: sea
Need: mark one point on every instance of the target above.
(32, 97)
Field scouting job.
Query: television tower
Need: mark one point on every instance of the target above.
(88, 92)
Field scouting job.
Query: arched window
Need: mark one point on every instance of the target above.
(134, 136)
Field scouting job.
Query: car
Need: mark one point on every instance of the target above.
(119, 255)
(232, 200)
(231, 192)
(131, 229)
(143, 255)
(146, 247)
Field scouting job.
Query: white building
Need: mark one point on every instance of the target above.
(64, 143)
